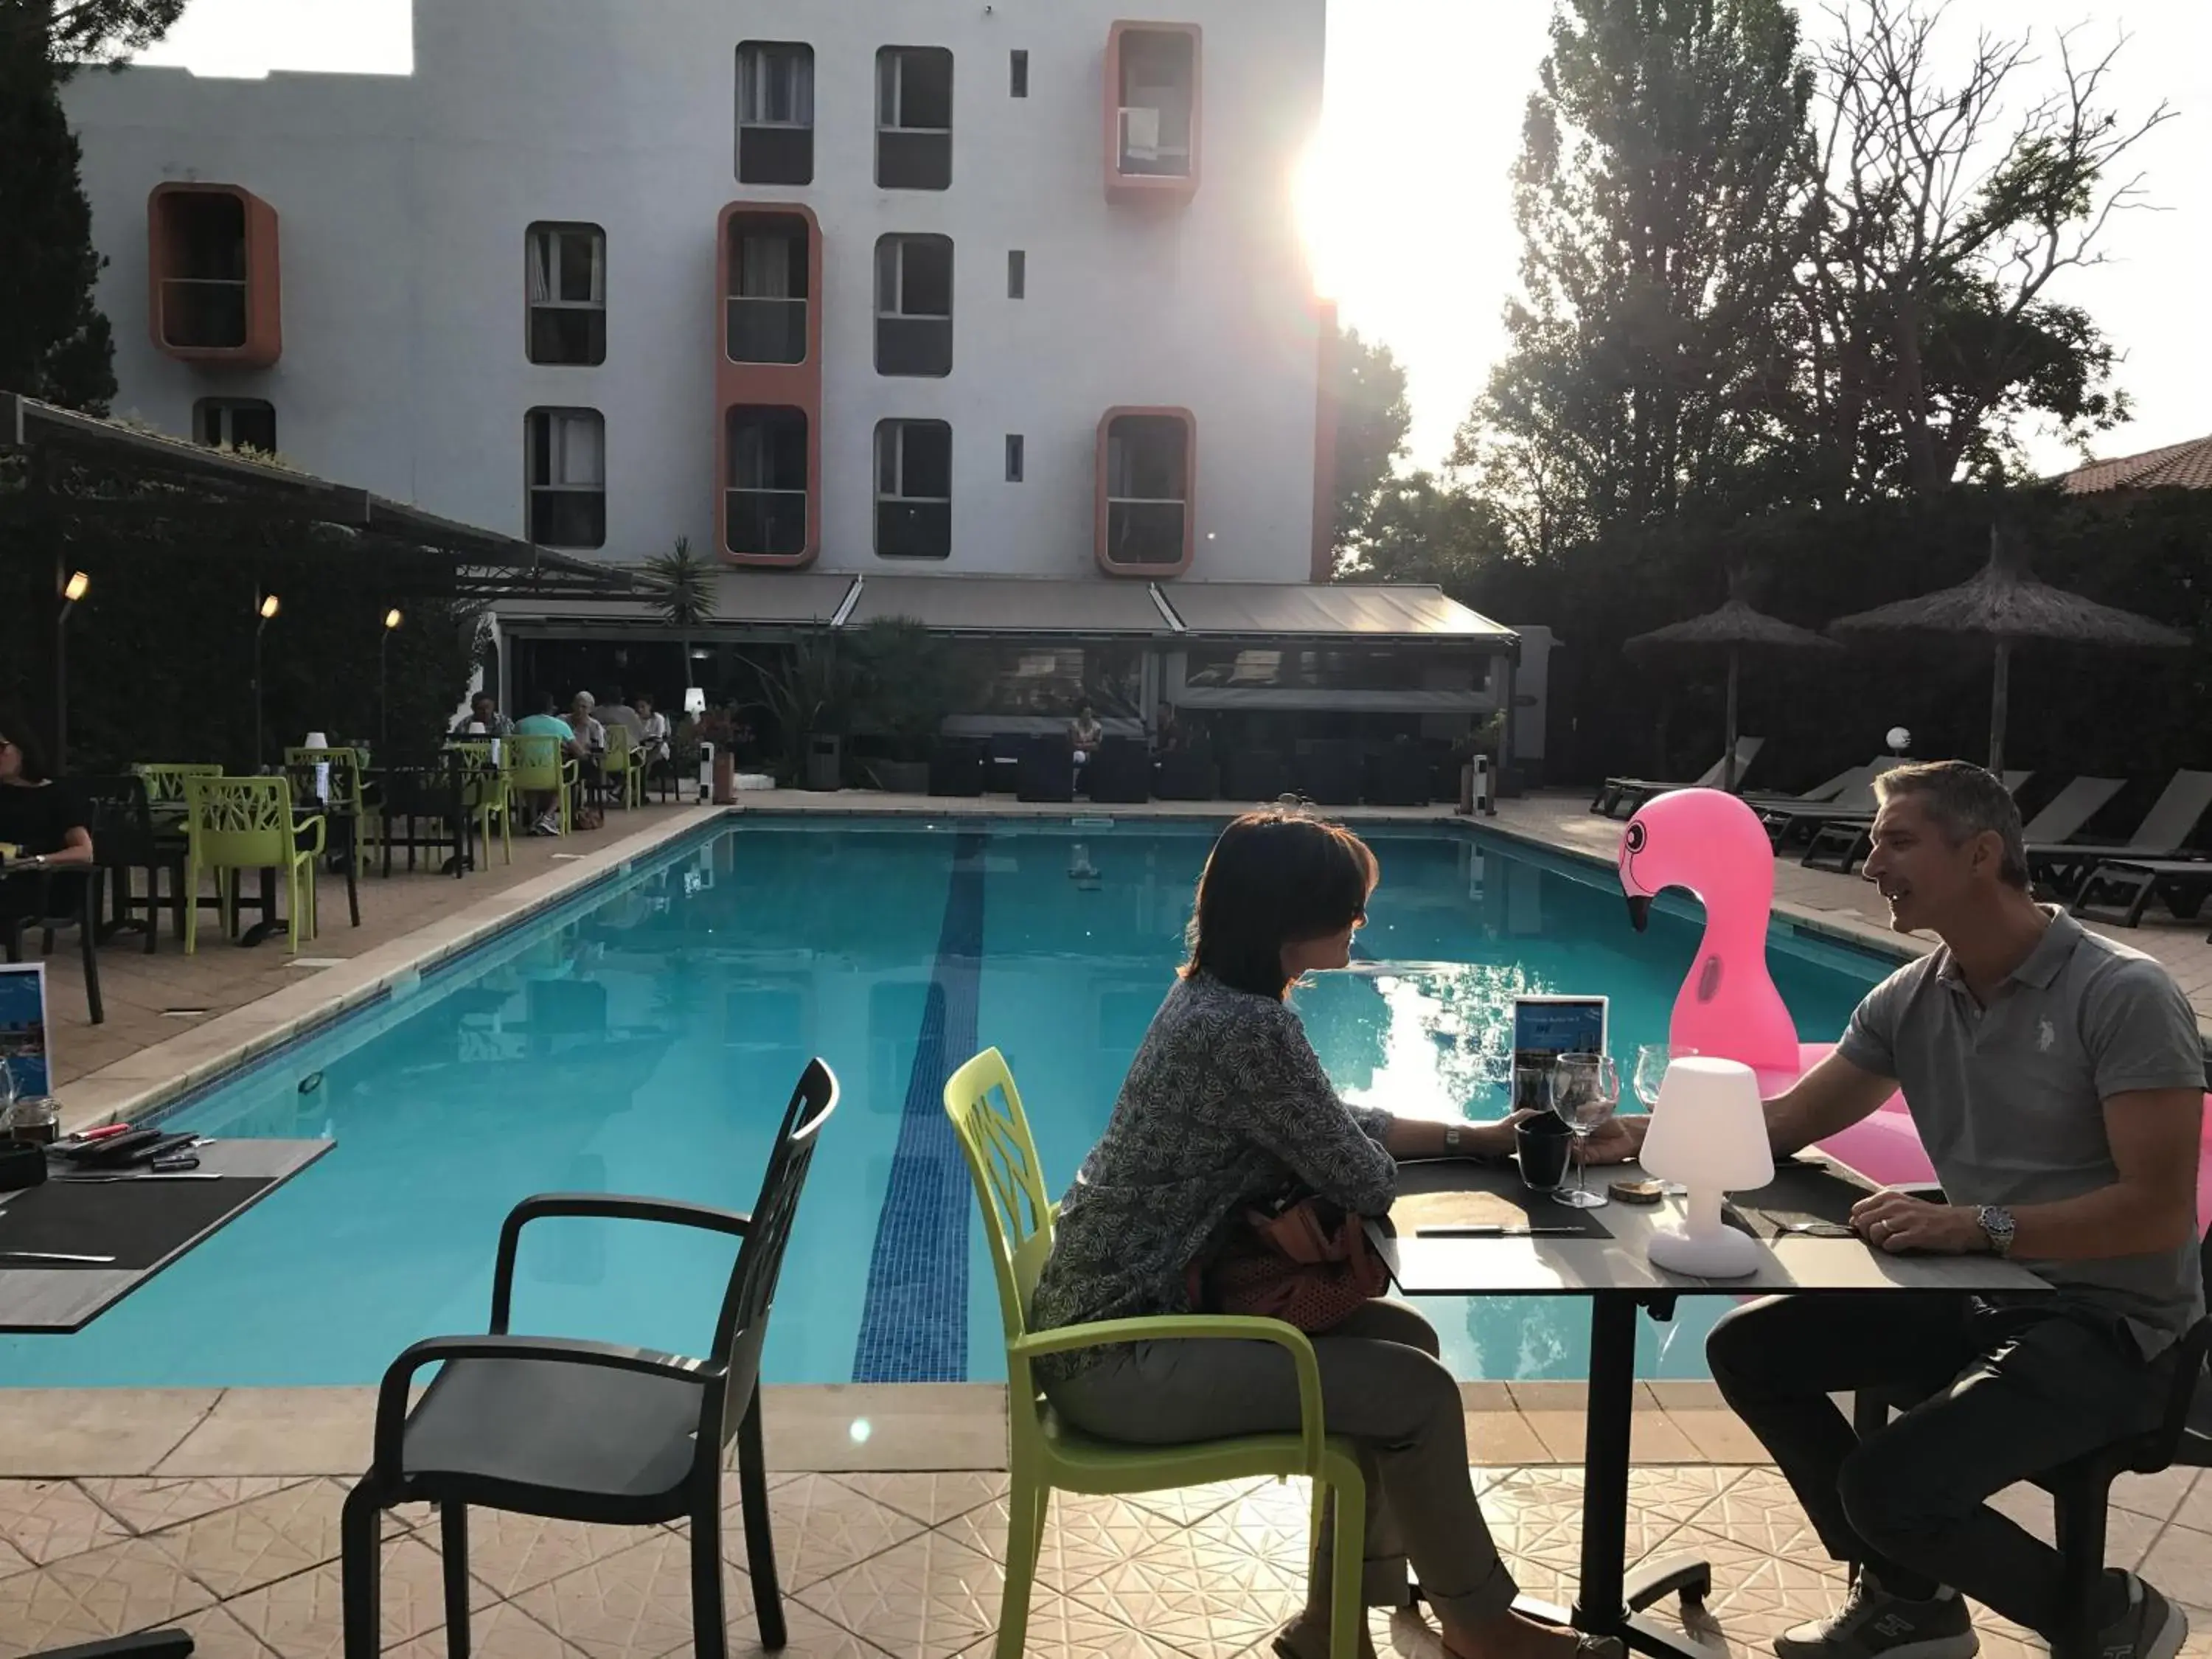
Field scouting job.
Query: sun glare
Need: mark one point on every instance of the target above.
(1323, 185)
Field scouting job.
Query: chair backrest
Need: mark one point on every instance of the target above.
(743, 1322)
(986, 1109)
(2065, 812)
(165, 780)
(537, 762)
(620, 746)
(2173, 816)
(115, 808)
(345, 773)
(239, 823)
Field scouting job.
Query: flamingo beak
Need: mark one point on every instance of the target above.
(1639, 911)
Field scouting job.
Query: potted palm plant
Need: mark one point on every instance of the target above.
(686, 596)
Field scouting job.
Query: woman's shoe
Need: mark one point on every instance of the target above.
(1306, 1637)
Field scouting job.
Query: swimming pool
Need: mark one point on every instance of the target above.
(645, 1038)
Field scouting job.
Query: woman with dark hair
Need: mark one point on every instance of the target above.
(39, 820)
(1224, 1106)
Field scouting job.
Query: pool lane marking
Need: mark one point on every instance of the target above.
(913, 1325)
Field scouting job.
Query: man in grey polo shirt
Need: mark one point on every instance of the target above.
(2056, 1080)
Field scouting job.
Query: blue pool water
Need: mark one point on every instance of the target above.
(645, 1040)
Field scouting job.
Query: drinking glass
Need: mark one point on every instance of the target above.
(1585, 1091)
(1651, 1062)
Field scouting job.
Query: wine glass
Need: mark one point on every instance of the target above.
(1652, 1060)
(1585, 1091)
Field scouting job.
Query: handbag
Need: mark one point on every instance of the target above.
(1304, 1261)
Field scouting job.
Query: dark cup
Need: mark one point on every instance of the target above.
(1542, 1143)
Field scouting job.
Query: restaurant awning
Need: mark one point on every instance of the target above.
(83, 475)
(743, 599)
(1013, 606)
(1293, 611)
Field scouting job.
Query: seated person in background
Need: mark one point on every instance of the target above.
(585, 726)
(1167, 735)
(543, 805)
(1224, 1106)
(652, 731)
(614, 712)
(42, 821)
(1084, 734)
(484, 719)
(2058, 1082)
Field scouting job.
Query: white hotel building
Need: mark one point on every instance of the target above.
(993, 314)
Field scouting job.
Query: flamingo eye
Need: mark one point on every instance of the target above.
(1636, 838)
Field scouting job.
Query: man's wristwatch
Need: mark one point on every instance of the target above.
(1996, 1224)
(1451, 1140)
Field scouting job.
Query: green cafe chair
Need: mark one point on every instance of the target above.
(165, 783)
(235, 824)
(1047, 1454)
(624, 765)
(541, 767)
(345, 766)
(488, 789)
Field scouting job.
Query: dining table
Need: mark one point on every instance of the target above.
(1461, 1228)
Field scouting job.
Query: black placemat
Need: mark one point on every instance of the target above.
(1799, 1192)
(139, 1223)
(1436, 1195)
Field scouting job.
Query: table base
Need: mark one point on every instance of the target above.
(148, 1645)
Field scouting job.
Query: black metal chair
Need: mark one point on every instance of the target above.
(2082, 1490)
(591, 1432)
(123, 839)
(425, 808)
(59, 898)
(1047, 771)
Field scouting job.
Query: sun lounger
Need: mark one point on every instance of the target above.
(1617, 796)
(1841, 844)
(2121, 890)
(2068, 868)
(1787, 818)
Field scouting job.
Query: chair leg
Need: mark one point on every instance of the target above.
(709, 1617)
(453, 1545)
(361, 1572)
(188, 906)
(1347, 1609)
(353, 880)
(2079, 1511)
(760, 1533)
(87, 928)
(1024, 1531)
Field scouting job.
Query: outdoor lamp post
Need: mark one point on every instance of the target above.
(265, 609)
(391, 621)
(75, 588)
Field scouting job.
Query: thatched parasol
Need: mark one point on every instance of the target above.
(2005, 604)
(1735, 627)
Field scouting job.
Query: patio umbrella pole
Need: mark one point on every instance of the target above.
(1728, 765)
(2000, 697)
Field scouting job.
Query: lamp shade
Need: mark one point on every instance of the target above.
(1708, 1127)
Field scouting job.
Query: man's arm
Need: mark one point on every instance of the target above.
(1827, 1101)
(2150, 1205)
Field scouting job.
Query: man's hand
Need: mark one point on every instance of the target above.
(1617, 1141)
(1895, 1223)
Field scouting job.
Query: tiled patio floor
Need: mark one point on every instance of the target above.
(904, 1564)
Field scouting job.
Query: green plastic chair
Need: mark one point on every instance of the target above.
(164, 782)
(624, 763)
(539, 767)
(487, 788)
(1048, 1453)
(345, 766)
(234, 824)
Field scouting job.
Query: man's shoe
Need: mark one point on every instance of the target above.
(2151, 1628)
(1872, 1624)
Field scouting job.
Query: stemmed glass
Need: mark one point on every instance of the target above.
(1652, 1060)
(1585, 1091)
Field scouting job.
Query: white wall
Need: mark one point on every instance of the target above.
(402, 202)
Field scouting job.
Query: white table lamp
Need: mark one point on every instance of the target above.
(1708, 1132)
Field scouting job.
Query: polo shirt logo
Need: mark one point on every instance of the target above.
(2047, 1036)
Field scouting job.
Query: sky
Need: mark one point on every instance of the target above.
(1422, 118)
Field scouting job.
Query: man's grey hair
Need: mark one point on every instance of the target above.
(1963, 800)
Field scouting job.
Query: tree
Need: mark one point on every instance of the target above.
(55, 344)
(80, 32)
(1367, 384)
(1928, 326)
(1423, 529)
(1661, 197)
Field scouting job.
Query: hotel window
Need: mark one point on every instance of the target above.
(914, 306)
(775, 113)
(566, 278)
(235, 424)
(568, 472)
(1017, 74)
(1017, 275)
(913, 490)
(913, 118)
(1016, 459)
(1158, 93)
(765, 498)
(203, 286)
(1147, 490)
(767, 297)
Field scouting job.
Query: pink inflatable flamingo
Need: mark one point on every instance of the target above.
(1713, 844)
